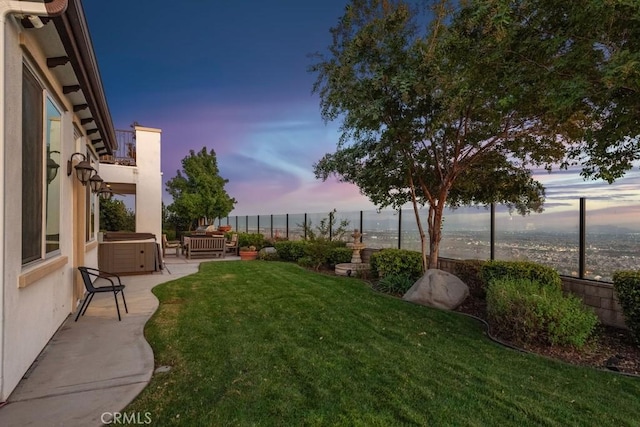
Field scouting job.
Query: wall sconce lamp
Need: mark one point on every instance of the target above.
(105, 192)
(85, 172)
(52, 166)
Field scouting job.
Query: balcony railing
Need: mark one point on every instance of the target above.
(579, 242)
(125, 151)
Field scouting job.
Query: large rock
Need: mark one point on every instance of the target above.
(438, 289)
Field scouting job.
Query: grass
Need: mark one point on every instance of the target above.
(269, 343)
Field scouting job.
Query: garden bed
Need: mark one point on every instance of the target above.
(610, 348)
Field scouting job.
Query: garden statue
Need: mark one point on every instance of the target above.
(356, 235)
(357, 246)
(356, 266)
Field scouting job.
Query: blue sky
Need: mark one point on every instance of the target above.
(232, 76)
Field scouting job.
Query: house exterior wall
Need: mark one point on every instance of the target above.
(146, 177)
(149, 188)
(37, 297)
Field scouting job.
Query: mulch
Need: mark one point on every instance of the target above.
(610, 348)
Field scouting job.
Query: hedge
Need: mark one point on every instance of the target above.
(527, 311)
(627, 287)
(494, 270)
(400, 262)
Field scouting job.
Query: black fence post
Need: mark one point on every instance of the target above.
(246, 223)
(330, 226)
(305, 226)
(258, 222)
(361, 225)
(237, 224)
(400, 228)
(272, 226)
(492, 233)
(287, 227)
(582, 239)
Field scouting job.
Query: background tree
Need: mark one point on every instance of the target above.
(198, 190)
(114, 216)
(459, 111)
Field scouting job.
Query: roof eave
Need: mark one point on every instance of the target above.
(74, 34)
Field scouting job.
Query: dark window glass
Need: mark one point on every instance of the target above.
(32, 167)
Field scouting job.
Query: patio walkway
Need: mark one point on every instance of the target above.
(95, 366)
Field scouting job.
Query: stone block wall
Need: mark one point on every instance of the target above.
(599, 296)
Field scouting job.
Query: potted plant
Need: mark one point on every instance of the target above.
(248, 253)
(224, 228)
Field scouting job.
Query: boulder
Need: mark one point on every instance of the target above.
(268, 250)
(438, 289)
(268, 253)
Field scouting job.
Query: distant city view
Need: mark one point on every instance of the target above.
(550, 238)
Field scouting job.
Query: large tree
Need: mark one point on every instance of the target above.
(198, 190)
(458, 111)
(115, 216)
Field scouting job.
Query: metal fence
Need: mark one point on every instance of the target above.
(125, 151)
(580, 238)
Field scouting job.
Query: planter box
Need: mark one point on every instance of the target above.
(248, 255)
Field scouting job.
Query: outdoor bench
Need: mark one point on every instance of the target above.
(205, 247)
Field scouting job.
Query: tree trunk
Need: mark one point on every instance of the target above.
(423, 240)
(423, 237)
(435, 232)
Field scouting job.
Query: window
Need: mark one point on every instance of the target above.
(41, 142)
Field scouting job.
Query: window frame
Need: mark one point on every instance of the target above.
(44, 140)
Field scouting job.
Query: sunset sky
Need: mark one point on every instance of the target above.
(232, 76)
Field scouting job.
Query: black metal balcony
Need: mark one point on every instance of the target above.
(125, 151)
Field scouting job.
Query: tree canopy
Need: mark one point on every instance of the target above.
(456, 103)
(115, 216)
(198, 190)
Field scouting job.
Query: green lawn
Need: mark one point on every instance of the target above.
(268, 343)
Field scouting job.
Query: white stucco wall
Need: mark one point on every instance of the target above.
(29, 316)
(149, 189)
(147, 178)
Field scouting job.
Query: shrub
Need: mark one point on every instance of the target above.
(290, 250)
(251, 239)
(394, 284)
(339, 255)
(306, 262)
(317, 253)
(627, 287)
(469, 272)
(493, 270)
(529, 312)
(396, 261)
(171, 234)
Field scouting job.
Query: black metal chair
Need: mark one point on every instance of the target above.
(87, 274)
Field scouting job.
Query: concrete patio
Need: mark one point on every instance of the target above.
(96, 366)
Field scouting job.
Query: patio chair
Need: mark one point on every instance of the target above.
(87, 274)
(170, 245)
(231, 247)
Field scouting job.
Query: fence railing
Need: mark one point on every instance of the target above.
(125, 151)
(580, 238)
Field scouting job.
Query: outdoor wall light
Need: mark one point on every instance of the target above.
(95, 182)
(105, 192)
(85, 172)
(52, 166)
